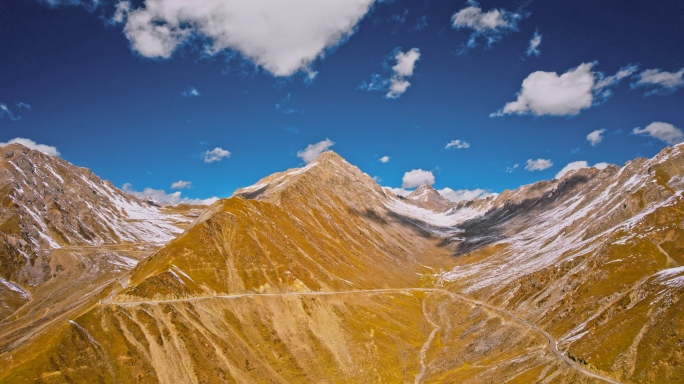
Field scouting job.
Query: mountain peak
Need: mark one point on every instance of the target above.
(427, 197)
(328, 174)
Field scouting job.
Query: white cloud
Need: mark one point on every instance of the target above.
(511, 168)
(406, 62)
(5, 111)
(283, 37)
(311, 152)
(397, 87)
(663, 82)
(547, 93)
(181, 184)
(662, 131)
(538, 165)
(595, 137)
(463, 194)
(191, 92)
(491, 25)
(166, 198)
(384, 159)
(397, 84)
(609, 81)
(28, 143)
(533, 47)
(121, 12)
(416, 178)
(216, 154)
(575, 165)
(23, 105)
(458, 144)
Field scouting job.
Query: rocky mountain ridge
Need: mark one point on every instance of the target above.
(318, 275)
(48, 203)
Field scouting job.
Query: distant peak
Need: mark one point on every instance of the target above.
(424, 187)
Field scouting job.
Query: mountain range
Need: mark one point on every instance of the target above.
(318, 274)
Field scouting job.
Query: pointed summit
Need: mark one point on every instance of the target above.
(427, 197)
(327, 177)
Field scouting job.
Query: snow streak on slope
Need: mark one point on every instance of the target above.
(59, 204)
(442, 222)
(543, 223)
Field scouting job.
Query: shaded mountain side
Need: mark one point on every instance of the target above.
(595, 258)
(323, 228)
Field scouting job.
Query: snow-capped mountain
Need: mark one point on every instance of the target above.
(317, 274)
(427, 197)
(48, 203)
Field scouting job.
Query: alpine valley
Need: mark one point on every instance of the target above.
(319, 275)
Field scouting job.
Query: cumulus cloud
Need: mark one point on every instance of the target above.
(533, 47)
(406, 63)
(595, 137)
(538, 165)
(662, 82)
(311, 152)
(463, 194)
(662, 131)
(28, 143)
(181, 184)
(397, 83)
(458, 144)
(547, 93)
(416, 178)
(397, 87)
(283, 37)
(216, 154)
(575, 165)
(166, 198)
(191, 92)
(384, 159)
(491, 25)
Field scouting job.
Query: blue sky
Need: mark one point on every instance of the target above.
(221, 93)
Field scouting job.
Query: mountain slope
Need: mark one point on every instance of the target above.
(317, 275)
(48, 203)
(66, 236)
(595, 258)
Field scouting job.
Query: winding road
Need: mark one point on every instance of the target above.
(553, 344)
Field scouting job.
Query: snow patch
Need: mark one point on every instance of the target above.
(13, 287)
